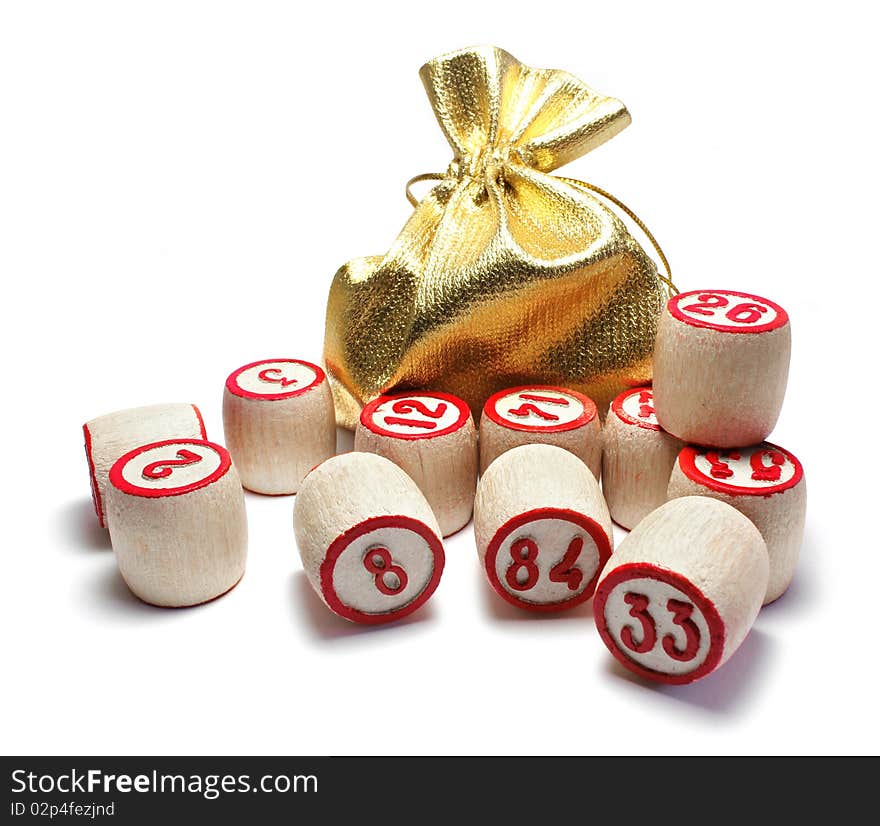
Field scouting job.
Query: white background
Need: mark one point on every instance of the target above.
(178, 184)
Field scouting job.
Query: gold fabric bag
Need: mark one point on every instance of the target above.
(504, 274)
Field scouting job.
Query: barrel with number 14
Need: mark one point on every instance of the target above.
(721, 367)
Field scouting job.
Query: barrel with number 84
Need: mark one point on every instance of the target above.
(542, 527)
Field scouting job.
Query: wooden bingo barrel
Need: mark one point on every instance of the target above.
(369, 542)
(433, 438)
(541, 414)
(542, 527)
(682, 590)
(766, 483)
(637, 457)
(721, 367)
(279, 422)
(177, 521)
(108, 437)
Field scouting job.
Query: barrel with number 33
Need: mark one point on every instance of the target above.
(682, 591)
(542, 527)
(721, 367)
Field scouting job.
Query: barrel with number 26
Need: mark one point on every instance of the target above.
(721, 367)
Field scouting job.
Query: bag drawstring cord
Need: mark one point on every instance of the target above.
(671, 289)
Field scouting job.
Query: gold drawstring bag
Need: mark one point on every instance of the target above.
(504, 274)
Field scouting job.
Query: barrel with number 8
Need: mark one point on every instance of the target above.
(721, 367)
(542, 528)
(682, 591)
(764, 482)
(369, 542)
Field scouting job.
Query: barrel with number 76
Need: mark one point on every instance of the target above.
(764, 482)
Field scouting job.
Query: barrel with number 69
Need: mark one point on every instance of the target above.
(177, 521)
(543, 529)
(721, 367)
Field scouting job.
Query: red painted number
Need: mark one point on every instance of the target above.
(163, 468)
(416, 406)
(534, 397)
(525, 409)
(681, 616)
(646, 409)
(565, 570)
(767, 473)
(523, 552)
(379, 563)
(745, 313)
(707, 304)
(274, 375)
(719, 469)
(639, 610)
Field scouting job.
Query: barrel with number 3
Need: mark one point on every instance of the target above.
(279, 422)
(177, 521)
(682, 591)
(764, 482)
(542, 527)
(369, 542)
(721, 367)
